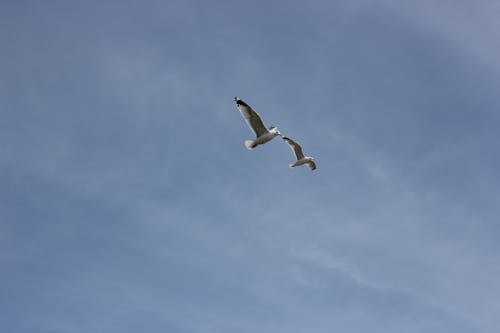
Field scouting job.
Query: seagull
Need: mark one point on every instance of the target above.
(256, 125)
(301, 159)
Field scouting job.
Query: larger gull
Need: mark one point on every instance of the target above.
(301, 159)
(253, 120)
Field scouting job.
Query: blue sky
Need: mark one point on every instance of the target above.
(128, 201)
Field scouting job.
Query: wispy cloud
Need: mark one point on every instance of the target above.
(326, 261)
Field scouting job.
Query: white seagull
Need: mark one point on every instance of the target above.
(301, 159)
(256, 125)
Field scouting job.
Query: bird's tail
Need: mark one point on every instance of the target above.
(250, 144)
(292, 165)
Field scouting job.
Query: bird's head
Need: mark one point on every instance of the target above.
(274, 130)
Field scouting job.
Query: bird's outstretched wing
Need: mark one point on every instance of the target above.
(296, 148)
(251, 117)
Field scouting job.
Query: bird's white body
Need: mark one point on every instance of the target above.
(255, 123)
(266, 137)
(302, 161)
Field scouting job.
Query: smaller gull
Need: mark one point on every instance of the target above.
(301, 159)
(253, 120)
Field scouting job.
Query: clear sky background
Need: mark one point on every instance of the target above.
(128, 202)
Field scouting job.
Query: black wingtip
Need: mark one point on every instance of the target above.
(240, 102)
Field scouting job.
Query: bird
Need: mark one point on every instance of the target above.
(301, 159)
(255, 123)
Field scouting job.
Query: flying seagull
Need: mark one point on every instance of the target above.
(253, 120)
(301, 159)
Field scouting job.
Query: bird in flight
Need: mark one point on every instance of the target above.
(301, 159)
(255, 123)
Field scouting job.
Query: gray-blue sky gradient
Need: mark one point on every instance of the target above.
(129, 203)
